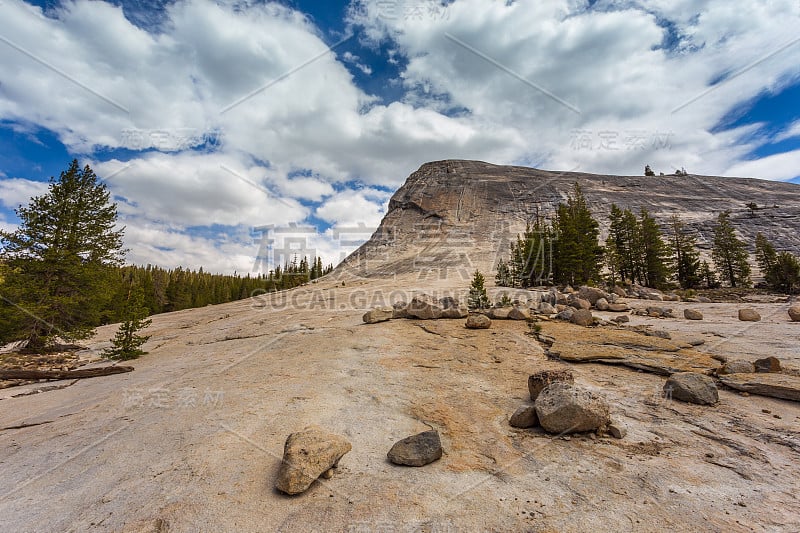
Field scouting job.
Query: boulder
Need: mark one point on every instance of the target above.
(424, 307)
(538, 381)
(617, 430)
(580, 303)
(692, 314)
(546, 308)
(619, 291)
(619, 307)
(417, 450)
(591, 294)
(703, 300)
(737, 366)
(671, 298)
(582, 317)
(564, 408)
(519, 313)
(524, 417)
(307, 455)
(622, 319)
(794, 313)
(400, 310)
(601, 304)
(478, 321)
(379, 314)
(749, 315)
(566, 314)
(499, 313)
(767, 365)
(691, 387)
(452, 309)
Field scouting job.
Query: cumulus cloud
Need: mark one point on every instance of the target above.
(17, 191)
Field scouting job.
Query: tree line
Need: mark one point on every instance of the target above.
(566, 251)
(62, 271)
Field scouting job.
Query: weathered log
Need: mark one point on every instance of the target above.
(64, 374)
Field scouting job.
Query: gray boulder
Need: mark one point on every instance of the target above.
(524, 417)
(379, 314)
(546, 308)
(566, 314)
(417, 450)
(564, 408)
(591, 294)
(692, 314)
(737, 366)
(538, 381)
(691, 387)
(601, 304)
(519, 313)
(478, 321)
(424, 307)
(582, 317)
(749, 315)
(307, 455)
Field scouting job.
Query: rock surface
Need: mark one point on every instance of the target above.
(773, 385)
(524, 417)
(691, 387)
(478, 321)
(564, 408)
(749, 315)
(307, 455)
(417, 450)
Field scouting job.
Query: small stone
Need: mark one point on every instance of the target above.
(417, 450)
(478, 321)
(524, 417)
(794, 313)
(379, 314)
(622, 319)
(617, 430)
(768, 364)
(749, 315)
(538, 381)
(692, 314)
(692, 387)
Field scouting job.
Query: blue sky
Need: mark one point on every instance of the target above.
(209, 120)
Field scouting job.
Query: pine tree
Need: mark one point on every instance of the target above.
(477, 299)
(576, 252)
(503, 276)
(685, 257)
(730, 253)
(654, 252)
(766, 257)
(708, 276)
(59, 260)
(127, 342)
(781, 270)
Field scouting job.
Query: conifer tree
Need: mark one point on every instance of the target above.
(59, 260)
(477, 299)
(127, 342)
(654, 252)
(781, 270)
(708, 276)
(766, 258)
(576, 252)
(685, 257)
(730, 253)
(503, 276)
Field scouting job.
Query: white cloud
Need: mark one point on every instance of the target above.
(784, 166)
(18, 191)
(353, 207)
(790, 132)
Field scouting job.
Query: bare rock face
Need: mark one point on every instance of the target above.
(582, 317)
(538, 381)
(380, 314)
(737, 366)
(424, 307)
(749, 315)
(307, 455)
(794, 313)
(767, 365)
(564, 408)
(692, 314)
(692, 387)
(478, 321)
(524, 417)
(774, 385)
(417, 450)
